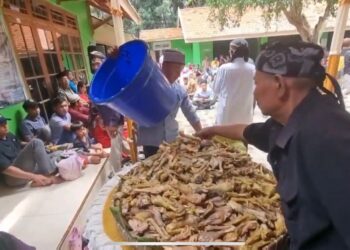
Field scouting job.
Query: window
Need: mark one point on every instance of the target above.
(72, 55)
(18, 38)
(63, 42)
(76, 44)
(28, 37)
(39, 10)
(80, 61)
(46, 40)
(30, 60)
(30, 64)
(71, 23)
(16, 5)
(57, 17)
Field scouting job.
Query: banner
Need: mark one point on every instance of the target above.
(11, 87)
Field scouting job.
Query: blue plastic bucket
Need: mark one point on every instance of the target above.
(133, 84)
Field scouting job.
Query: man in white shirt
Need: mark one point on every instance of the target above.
(204, 97)
(234, 85)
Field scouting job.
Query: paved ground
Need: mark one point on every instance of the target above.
(208, 119)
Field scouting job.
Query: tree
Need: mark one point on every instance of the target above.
(155, 14)
(225, 10)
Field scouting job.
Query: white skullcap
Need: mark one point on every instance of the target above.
(98, 54)
(173, 56)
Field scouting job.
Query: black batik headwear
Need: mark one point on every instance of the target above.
(298, 59)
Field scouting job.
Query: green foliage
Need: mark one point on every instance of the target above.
(163, 13)
(158, 13)
(154, 14)
(227, 11)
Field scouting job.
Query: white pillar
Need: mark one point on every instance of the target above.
(337, 41)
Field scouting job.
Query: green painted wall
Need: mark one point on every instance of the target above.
(201, 50)
(80, 8)
(16, 114)
(186, 48)
(206, 49)
(196, 54)
(264, 40)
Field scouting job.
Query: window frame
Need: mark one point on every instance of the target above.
(68, 27)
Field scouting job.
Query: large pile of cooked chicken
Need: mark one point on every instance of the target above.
(192, 192)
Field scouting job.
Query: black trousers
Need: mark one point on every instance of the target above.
(150, 150)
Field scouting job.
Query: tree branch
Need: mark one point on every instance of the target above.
(292, 9)
(321, 22)
(295, 17)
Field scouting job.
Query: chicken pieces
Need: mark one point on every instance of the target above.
(191, 192)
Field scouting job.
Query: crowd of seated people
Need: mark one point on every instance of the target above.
(21, 163)
(197, 83)
(74, 124)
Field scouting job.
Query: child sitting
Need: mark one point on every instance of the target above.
(78, 112)
(93, 151)
(82, 91)
(97, 128)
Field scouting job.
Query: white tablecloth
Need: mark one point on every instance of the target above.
(94, 232)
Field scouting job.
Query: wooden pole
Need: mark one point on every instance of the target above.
(337, 41)
(117, 16)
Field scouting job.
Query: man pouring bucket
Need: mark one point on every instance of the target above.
(168, 129)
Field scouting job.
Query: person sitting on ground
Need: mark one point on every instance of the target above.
(20, 166)
(192, 85)
(210, 80)
(78, 112)
(94, 151)
(34, 126)
(204, 97)
(65, 91)
(215, 63)
(60, 122)
(72, 82)
(185, 81)
(82, 91)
